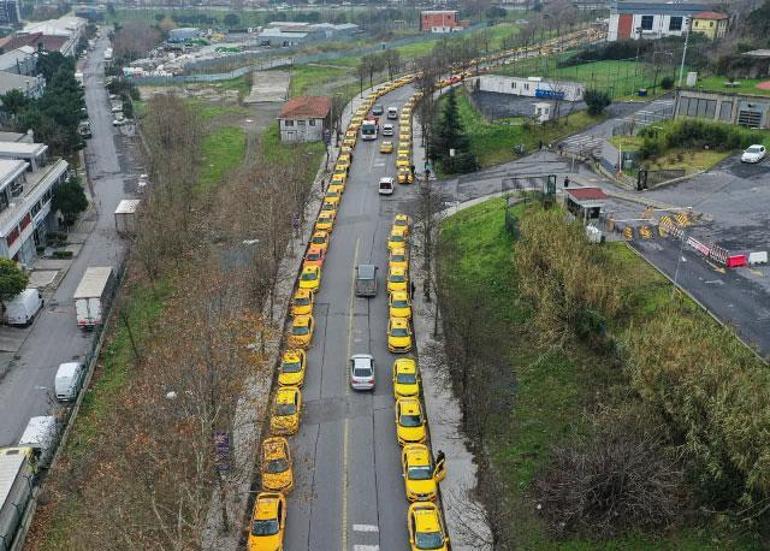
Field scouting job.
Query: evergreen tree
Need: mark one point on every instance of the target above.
(449, 134)
(70, 199)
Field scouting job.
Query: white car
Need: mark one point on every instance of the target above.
(362, 372)
(119, 122)
(754, 154)
(387, 129)
(386, 186)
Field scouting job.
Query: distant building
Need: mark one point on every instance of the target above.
(741, 109)
(9, 13)
(710, 23)
(69, 28)
(183, 34)
(304, 119)
(279, 38)
(440, 21)
(27, 180)
(535, 87)
(21, 61)
(32, 86)
(651, 19)
(38, 41)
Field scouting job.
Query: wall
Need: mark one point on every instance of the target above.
(751, 111)
(301, 131)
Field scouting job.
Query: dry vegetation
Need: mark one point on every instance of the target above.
(140, 468)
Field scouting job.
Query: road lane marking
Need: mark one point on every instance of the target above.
(366, 528)
(366, 548)
(346, 426)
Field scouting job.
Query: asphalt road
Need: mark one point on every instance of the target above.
(349, 492)
(27, 388)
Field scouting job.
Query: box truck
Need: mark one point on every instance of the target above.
(91, 295)
(125, 216)
(42, 435)
(17, 481)
(21, 309)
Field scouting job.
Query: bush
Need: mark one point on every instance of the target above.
(597, 101)
(697, 134)
(62, 254)
(667, 83)
(618, 479)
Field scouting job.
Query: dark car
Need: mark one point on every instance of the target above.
(378, 110)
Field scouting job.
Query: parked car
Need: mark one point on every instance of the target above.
(21, 309)
(119, 121)
(362, 372)
(386, 186)
(68, 380)
(754, 154)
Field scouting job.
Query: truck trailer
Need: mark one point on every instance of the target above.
(17, 482)
(91, 296)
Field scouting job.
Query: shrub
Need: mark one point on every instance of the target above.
(617, 479)
(597, 101)
(667, 83)
(62, 254)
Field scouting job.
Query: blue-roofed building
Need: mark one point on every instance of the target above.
(183, 34)
(652, 19)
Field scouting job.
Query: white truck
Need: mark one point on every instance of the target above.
(91, 295)
(108, 54)
(17, 481)
(125, 216)
(42, 435)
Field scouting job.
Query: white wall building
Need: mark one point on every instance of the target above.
(304, 119)
(650, 19)
(25, 200)
(536, 87)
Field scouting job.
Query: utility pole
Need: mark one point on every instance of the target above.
(684, 55)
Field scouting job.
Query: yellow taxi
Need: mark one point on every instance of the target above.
(403, 160)
(406, 380)
(325, 221)
(343, 160)
(399, 335)
(398, 280)
(405, 121)
(332, 196)
(421, 478)
(301, 331)
(329, 206)
(314, 257)
(404, 145)
(336, 187)
(346, 150)
(340, 172)
(426, 530)
(357, 119)
(386, 147)
(406, 111)
(320, 239)
(404, 137)
(398, 259)
(399, 305)
(402, 221)
(292, 369)
(405, 176)
(404, 127)
(310, 278)
(410, 423)
(277, 473)
(396, 240)
(302, 301)
(349, 141)
(339, 179)
(287, 410)
(268, 522)
(351, 134)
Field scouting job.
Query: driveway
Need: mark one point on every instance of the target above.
(27, 388)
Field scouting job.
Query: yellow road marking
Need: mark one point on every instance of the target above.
(346, 428)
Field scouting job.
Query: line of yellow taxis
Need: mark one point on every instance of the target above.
(268, 521)
(421, 475)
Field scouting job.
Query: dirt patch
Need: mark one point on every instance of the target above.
(206, 93)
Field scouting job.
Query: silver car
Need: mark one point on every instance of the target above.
(362, 372)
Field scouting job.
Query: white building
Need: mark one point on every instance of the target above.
(652, 18)
(535, 87)
(304, 119)
(26, 189)
(69, 27)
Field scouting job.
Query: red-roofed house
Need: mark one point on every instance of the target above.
(586, 203)
(710, 23)
(304, 119)
(36, 40)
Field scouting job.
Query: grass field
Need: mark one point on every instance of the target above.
(553, 387)
(221, 151)
(621, 79)
(493, 142)
(716, 83)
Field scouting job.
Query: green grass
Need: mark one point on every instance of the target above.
(621, 79)
(716, 83)
(221, 151)
(553, 387)
(306, 79)
(493, 142)
(278, 153)
(691, 160)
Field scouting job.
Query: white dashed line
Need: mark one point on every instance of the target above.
(365, 528)
(366, 548)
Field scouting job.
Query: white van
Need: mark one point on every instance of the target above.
(386, 186)
(21, 309)
(393, 113)
(69, 378)
(42, 435)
